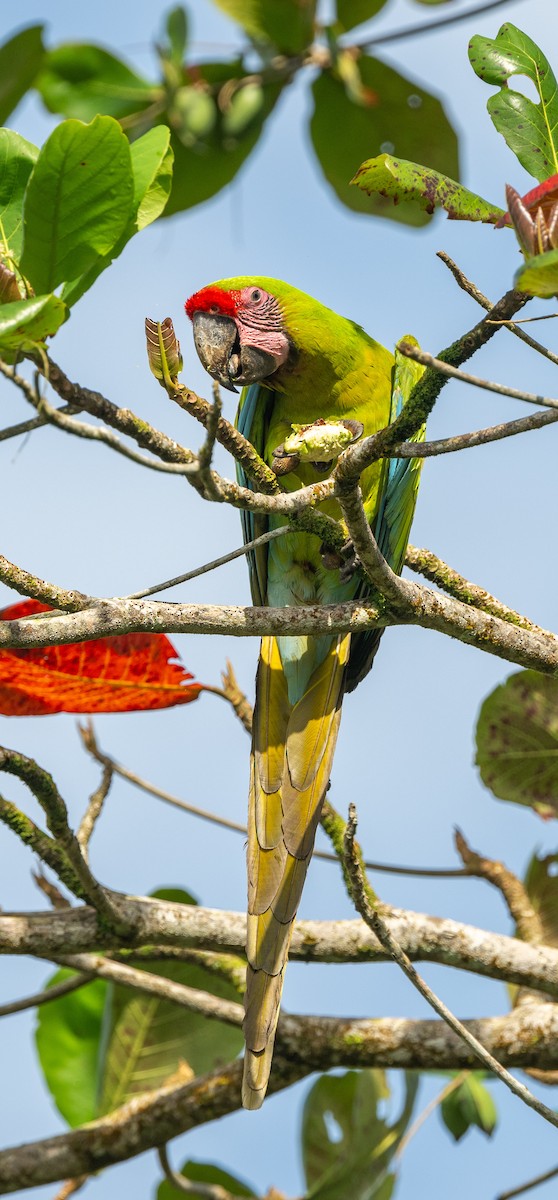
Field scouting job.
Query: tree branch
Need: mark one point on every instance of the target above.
(525, 1037)
(204, 814)
(422, 607)
(501, 389)
(425, 563)
(162, 923)
(425, 393)
(43, 787)
(45, 996)
(412, 31)
(472, 290)
(369, 910)
(193, 999)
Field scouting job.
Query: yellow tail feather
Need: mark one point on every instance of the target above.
(293, 747)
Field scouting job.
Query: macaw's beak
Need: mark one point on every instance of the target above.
(220, 351)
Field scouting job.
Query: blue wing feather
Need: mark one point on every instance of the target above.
(250, 422)
(392, 524)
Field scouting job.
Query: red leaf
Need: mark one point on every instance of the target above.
(128, 673)
(544, 195)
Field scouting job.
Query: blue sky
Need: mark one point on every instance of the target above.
(81, 517)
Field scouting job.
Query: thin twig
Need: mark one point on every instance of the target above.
(529, 320)
(192, 999)
(501, 389)
(413, 31)
(48, 994)
(93, 810)
(531, 1183)
(43, 787)
(209, 1191)
(524, 915)
(376, 923)
(479, 437)
(24, 427)
(205, 454)
(450, 1087)
(472, 290)
(122, 419)
(236, 698)
(210, 566)
(71, 1186)
(61, 418)
(236, 827)
(424, 395)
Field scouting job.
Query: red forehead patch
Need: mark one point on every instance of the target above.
(213, 299)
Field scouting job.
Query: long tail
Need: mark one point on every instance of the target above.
(292, 753)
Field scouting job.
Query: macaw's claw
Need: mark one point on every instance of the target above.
(350, 562)
(331, 560)
(346, 561)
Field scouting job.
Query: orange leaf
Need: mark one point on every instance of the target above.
(128, 673)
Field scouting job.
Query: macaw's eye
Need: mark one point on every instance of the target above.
(256, 295)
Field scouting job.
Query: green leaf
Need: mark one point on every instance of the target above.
(387, 176)
(67, 1037)
(399, 117)
(541, 885)
(287, 24)
(150, 1038)
(205, 1173)
(23, 323)
(354, 12)
(177, 32)
(78, 201)
(81, 80)
(517, 742)
(530, 129)
(539, 276)
(17, 159)
(208, 164)
(151, 160)
(20, 59)
(346, 1146)
(470, 1104)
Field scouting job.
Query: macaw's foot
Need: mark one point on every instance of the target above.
(350, 562)
(346, 561)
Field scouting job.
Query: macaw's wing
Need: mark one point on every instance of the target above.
(252, 424)
(392, 524)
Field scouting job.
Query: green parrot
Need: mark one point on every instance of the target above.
(299, 365)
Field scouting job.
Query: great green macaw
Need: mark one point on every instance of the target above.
(298, 362)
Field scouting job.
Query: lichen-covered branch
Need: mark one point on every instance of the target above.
(162, 923)
(43, 787)
(427, 564)
(526, 1037)
(418, 606)
(371, 913)
(426, 392)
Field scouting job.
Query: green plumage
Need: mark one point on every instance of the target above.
(335, 371)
